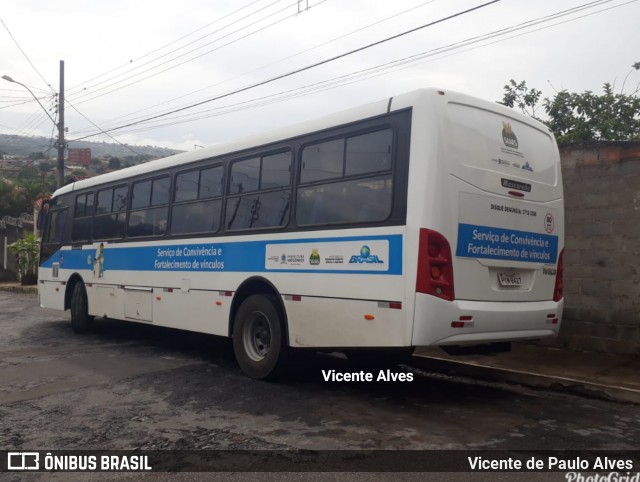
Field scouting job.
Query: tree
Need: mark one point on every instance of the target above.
(28, 173)
(17, 195)
(114, 163)
(581, 117)
(27, 191)
(34, 156)
(8, 202)
(45, 167)
(519, 95)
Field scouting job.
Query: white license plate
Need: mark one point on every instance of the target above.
(510, 279)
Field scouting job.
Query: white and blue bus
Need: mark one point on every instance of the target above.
(431, 218)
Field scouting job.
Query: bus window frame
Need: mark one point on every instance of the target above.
(202, 165)
(86, 216)
(129, 210)
(392, 172)
(113, 188)
(261, 154)
(47, 247)
(399, 122)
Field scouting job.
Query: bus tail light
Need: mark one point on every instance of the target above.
(558, 289)
(435, 266)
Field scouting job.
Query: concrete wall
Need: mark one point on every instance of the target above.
(602, 254)
(8, 234)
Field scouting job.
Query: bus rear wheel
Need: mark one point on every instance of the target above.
(81, 321)
(258, 337)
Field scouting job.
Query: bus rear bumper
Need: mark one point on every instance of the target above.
(462, 322)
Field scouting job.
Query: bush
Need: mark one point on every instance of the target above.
(27, 250)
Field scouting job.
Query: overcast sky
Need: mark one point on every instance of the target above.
(127, 61)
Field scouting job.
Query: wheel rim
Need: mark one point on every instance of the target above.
(257, 336)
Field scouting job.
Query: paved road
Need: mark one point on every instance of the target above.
(136, 386)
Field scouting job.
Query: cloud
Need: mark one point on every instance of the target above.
(126, 61)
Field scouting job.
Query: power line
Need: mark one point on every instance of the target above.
(308, 67)
(102, 131)
(163, 46)
(164, 62)
(231, 79)
(385, 68)
(197, 56)
(23, 52)
(34, 120)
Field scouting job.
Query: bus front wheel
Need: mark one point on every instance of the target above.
(81, 321)
(258, 337)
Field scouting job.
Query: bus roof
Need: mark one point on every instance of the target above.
(344, 117)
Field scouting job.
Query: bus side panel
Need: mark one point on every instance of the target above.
(51, 295)
(192, 310)
(325, 322)
(105, 301)
(201, 311)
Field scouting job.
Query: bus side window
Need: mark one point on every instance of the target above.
(41, 222)
(149, 207)
(198, 201)
(197, 217)
(369, 153)
(260, 192)
(109, 221)
(82, 217)
(57, 225)
(344, 189)
(260, 210)
(322, 161)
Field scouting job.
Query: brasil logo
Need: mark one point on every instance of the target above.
(508, 137)
(365, 257)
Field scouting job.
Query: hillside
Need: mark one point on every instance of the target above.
(12, 145)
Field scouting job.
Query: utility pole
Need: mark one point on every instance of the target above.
(300, 3)
(61, 143)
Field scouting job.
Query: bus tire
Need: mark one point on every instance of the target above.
(81, 321)
(258, 337)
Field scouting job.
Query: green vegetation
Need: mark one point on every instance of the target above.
(27, 250)
(18, 192)
(19, 189)
(581, 117)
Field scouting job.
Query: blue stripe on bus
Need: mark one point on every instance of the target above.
(508, 244)
(242, 256)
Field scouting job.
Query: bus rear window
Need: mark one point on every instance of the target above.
(485, 140)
